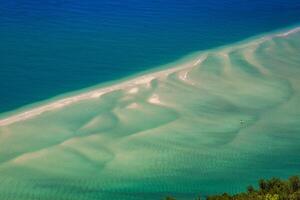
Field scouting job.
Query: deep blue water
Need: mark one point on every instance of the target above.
(51, 47)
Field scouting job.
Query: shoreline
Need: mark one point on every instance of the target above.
(97, 93)
(145, 77)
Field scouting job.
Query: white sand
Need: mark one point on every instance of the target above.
(145, 79)
(133, 90)
(289, 32)
(154, 99)
(183, 75)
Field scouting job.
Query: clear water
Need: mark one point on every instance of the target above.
(51, 47)
(212, 125)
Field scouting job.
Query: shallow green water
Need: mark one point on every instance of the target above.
(215, 127)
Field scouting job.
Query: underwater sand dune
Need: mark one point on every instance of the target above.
(229, 115)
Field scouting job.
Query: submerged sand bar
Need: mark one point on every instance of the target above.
(144, 79)
(230, 114)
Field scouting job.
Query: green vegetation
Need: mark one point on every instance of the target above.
(272, 189)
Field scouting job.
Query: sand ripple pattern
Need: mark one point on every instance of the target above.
(229, 115)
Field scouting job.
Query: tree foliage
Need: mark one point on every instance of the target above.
(272, 189)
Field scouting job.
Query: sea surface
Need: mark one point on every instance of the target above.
(217, 120)
(48, 48)
(215, 123)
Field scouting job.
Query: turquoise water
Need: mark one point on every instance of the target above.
(216, 122)
(52, 47)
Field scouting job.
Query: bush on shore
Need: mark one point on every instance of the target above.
(272, 189)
